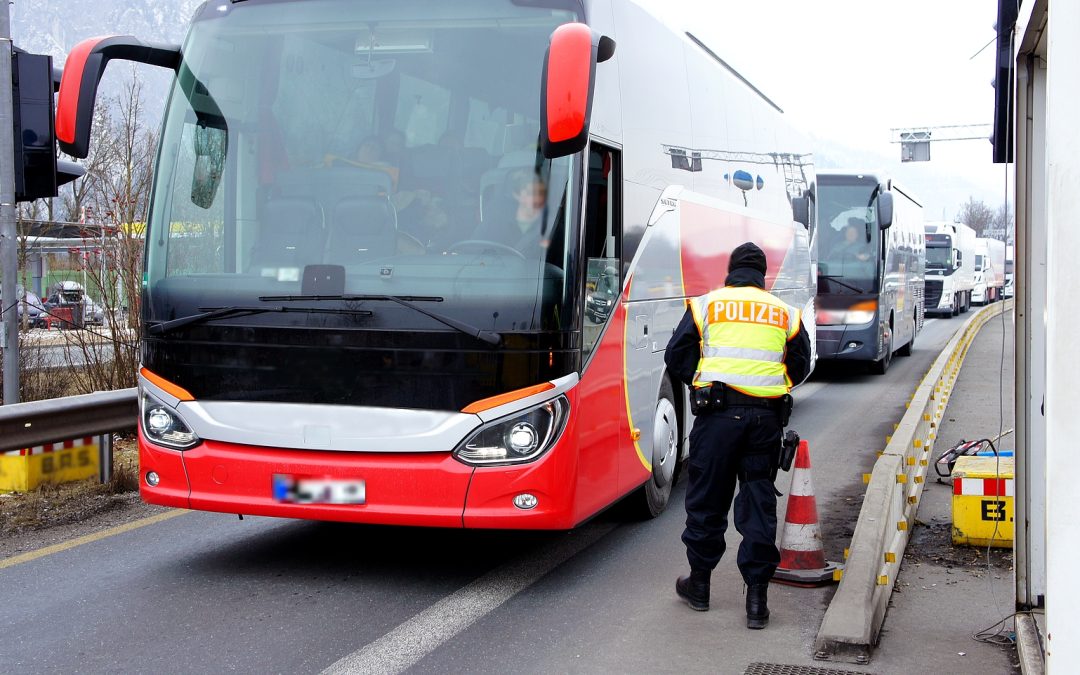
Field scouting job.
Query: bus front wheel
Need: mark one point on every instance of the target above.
(881, 366)
(652, 498)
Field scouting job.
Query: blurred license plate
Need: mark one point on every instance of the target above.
(297, 490)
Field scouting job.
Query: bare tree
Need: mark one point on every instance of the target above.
(976, 214)
(119, 194)
(79, 193)
(1003, 220)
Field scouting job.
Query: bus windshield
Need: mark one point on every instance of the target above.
(345, 149)
(849, 241)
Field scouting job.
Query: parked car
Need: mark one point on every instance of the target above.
(32, 305)
(93, 313)
(600, 300)
(71, 294)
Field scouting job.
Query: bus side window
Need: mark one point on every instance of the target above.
(603, 241)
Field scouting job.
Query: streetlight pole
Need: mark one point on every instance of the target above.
(9, 253)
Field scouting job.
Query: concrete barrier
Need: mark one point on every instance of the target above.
(853, 621)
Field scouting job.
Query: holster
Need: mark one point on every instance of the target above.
(788, 446)
(707, 399)
(786, 405)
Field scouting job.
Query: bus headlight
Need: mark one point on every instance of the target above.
(862, 312)
(521, 437)
(852, 317)
(164, 426)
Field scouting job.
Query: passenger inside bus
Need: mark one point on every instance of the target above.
(853, 245)
(518, 222)
(370, 155)
(423, 221)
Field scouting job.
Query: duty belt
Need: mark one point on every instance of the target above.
(737, 398)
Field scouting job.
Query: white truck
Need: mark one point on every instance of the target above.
(950, 268)
(1007, 292)
(989, 271)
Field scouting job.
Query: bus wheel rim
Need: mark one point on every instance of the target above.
(665, 442)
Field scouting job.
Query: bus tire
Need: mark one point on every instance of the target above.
(650, 500)
(881, 366)
(906, 349)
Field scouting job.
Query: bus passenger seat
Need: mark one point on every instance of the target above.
(290, 236)
(361, 229)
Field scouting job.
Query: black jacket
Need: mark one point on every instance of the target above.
(684, 350)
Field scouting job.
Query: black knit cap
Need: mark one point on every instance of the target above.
(747, 255)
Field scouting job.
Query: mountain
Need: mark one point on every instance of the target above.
(55, 26)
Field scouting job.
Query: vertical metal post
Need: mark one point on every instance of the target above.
(105, 458)
(1062, 324)
(9, 252)
(1030, 283)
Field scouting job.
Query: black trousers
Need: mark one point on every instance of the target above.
(740, 444)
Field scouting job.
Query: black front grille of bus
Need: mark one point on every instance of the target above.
(433, 370)
(933, 293)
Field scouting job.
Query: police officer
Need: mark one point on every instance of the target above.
(740, 349)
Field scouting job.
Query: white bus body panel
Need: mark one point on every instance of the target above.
(674, 98)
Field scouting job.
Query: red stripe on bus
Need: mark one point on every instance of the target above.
(715, 233)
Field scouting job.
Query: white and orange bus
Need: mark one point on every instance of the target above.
(416, 262)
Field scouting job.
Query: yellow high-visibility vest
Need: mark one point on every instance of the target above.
(744, 335)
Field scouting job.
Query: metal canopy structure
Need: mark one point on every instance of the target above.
(915, 141)
(949, 132)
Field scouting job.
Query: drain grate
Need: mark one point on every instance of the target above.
(784, 669)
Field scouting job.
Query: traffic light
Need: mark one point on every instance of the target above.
(38, 174)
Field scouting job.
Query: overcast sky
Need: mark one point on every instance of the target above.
(850, 70)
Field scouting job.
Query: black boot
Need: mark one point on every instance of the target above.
(757, 606)
(694, 589)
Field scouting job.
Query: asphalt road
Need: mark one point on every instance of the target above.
(208, 593)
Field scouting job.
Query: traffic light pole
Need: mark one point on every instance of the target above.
(9, 251)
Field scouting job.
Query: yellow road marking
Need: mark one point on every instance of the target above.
(86, 539)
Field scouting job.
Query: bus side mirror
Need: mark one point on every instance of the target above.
(566, 89)
(884, 210)
(82, 73)
(800, 210)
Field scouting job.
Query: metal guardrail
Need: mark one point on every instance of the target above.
(853, 621)
(24, 425)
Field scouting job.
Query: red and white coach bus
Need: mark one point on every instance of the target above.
(416, 262)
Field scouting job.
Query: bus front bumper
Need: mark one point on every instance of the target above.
(417, 489)
(849, 343)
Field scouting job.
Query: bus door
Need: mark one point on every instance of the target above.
(601, 427)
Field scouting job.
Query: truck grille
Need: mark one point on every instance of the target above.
(933, 293)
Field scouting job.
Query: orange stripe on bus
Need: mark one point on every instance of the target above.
(509, 397)
(166, 386)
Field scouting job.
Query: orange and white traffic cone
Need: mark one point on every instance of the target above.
(802, 555)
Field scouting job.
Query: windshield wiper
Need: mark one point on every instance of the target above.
(237, 310)
(490, 337)
(835, 278)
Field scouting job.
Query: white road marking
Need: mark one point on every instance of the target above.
(417, 637)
